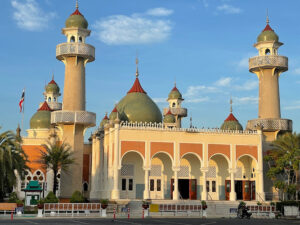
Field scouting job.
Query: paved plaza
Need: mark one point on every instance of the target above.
(149, 221)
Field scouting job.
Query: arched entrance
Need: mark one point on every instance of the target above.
(132, 176)
(189, 176)
(160, 176)
(216, 176)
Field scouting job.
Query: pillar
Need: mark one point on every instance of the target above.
(147, 190)
(232, 196)
(204, 191)
(175, 191)
(115, 194)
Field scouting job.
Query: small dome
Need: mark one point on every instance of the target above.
(77, 20)
(169, 117)
(52, 87)
(104, 121)
(113, 114)
(42, 118)
(231, 123)
(268, 34)
(137, 106)
(175, 94)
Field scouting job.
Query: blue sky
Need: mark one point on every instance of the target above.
(202, 44)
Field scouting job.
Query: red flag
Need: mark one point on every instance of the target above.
(22, 101)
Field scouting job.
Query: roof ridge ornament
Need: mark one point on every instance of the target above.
(268, 21)
(230, 104)
(137, 67)
(76, 4)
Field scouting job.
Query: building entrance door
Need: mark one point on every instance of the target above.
(246, 190)
(239, 189)
(156, 188)
(184, 188)
(253, 190)
(227, 189)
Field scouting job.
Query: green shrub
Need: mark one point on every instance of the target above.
(104, 201)
(13, 197)
(280, 205)
(50, 198)
(77, 197)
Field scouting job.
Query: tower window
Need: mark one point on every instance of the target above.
(174, 104)
(80, 39)
(49, 99)
(267, 52)
(85, 186)
(54, 99)
(72, 39)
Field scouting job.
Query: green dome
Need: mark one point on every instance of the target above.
(268, 35)
(231, 123)
(169, 118)
(137, 106)
(52, 87)
(77, 20)
(174, 94)
(42, 118)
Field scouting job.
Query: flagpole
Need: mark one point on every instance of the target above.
(23, 113)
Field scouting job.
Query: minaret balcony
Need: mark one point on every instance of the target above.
(75, 49)
(270, 124)
(182, 112)
(88, 119)
(268, 62)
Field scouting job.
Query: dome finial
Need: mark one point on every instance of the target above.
(137, 68)
(268, 21)
(230, 104)
(76, 4)
(52, 76)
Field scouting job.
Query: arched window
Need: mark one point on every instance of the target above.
(54, 99)
(267, 52)
(80, 39)
(85, 186)
(174, 104)
(49, 99)
(72, 39)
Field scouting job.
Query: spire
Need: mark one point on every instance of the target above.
(52, 76)
(268, 17)
(76, 4)
(230, 104)
(268, 21)
(137, 68)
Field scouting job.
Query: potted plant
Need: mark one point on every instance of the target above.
(204, 207)
(104, 203)
(19, 203)
(40, 204)
(145, 205)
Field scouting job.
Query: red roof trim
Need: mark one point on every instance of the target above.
(136, 87)
(76, 13)
(44, 107)
(52, 82)
(231, 118)
(169, 112)
(175, 89)
(105, 117)
(268, 28)
(115, 109)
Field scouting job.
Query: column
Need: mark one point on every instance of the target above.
(175, 191)
(232, 196)
(259, 170)
(204, 191)
(146, 191)
(93, 172)
(115, 194)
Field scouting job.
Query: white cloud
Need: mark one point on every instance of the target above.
(229, 9)
(197, 100)
(133, 29)
(160, 100)
(223, 82)
(159, 12)
(29, 16)
(195, 90)
(296, 71)
(245, 100)
(293, 106)
(247, 86)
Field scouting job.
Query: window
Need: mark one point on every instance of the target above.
(267, 52)
(80, 39)
(123, 184)
(85, 187)
(54, 99)
(151, 185)
(174, 104)
(49, 99)
(130, 186)
(158, 185)
(213, 186)
(227, 187)
(207, 186)
(72, 39)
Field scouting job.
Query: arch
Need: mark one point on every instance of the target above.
(221, 154)
(131, 151)
(192, 153)
(267, 52)
(251, 156)
(162, 152)
(72, 39)
(49, 99)
(80, 39)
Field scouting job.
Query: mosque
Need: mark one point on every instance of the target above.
(139, 152)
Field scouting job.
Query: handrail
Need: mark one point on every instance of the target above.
(262, 200)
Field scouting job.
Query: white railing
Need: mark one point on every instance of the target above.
(72, 209)
(268, 61)
(271, 124)
(77, 49)
(178, 209)
(159, 126)
(73, 117)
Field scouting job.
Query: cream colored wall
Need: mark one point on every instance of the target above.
(39, 136)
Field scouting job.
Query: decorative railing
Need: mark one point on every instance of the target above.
(268, 61)
(270, 124)
(176, 111)
(159, 126)
(75, 49)
(73, 117)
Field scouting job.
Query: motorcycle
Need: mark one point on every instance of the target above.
(242, 212)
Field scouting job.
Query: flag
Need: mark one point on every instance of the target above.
(22, 101)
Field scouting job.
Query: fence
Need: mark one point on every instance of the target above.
(72, 209)
(179, 209)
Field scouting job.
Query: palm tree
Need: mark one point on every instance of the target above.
(12, 161)
(284, 161)
(56, 156)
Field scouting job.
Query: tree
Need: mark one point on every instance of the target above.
(56, 156)
(12, 161)
(283, 161)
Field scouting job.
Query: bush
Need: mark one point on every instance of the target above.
(13, 197)
(77, 197)
(50, 198)
(104, 201)
(280, 205)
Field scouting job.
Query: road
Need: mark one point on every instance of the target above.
(148, 221)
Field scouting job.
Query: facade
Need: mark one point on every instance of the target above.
(139, 152)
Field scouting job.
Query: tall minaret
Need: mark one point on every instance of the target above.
(268, 66)
(73, 119)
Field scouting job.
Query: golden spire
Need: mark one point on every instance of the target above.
(137, 68)
(230, 104)
(76, 4)
(52, 76)
(268, 21)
